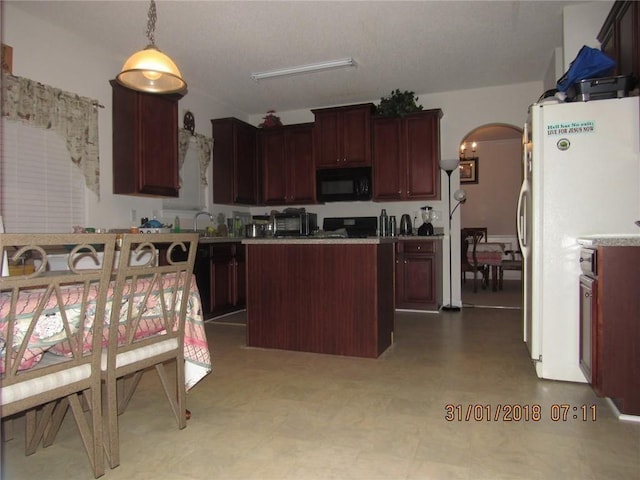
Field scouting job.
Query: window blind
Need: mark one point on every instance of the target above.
(41, 189)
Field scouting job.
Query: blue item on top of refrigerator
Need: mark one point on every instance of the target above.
(589, 63)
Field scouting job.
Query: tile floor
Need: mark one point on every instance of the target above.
(287, 415)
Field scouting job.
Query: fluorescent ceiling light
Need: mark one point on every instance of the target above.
(312, 67)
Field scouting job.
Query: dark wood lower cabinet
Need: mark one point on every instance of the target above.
(220, 276)
(613, 313)
(419, 274)
(334, 298)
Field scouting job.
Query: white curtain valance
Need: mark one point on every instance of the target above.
(73, 117)
(205, 146)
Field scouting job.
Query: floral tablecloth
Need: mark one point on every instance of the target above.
(49, 335)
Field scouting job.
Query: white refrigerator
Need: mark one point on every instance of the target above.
(581, 165)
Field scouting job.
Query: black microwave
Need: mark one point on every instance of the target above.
(343, 184)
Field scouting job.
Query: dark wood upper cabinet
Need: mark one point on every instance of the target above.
(343, 136)
(145, 143)
(288, 172)
(406, 156)
(235, 173)
(620, 38)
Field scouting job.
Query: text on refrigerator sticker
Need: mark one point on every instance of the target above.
(571, 127)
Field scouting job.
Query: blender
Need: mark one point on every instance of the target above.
(426, 228)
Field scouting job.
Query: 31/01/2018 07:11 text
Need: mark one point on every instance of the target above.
(516, 412)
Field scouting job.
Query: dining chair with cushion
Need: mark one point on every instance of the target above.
(147, 323)
(469, 262)
(41, 308)
(512, 262)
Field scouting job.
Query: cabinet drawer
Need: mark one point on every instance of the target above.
(222, 251)
(416, 246)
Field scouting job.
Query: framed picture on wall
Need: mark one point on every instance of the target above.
(469, 170)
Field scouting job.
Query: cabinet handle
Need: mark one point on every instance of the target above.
(405, 261)
(418, 247)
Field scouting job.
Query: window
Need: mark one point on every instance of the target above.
(41, 189)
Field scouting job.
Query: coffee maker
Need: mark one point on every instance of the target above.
(405, 225)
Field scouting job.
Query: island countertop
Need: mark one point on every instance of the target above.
(318, 240)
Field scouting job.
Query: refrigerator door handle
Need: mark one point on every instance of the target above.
(521, 220)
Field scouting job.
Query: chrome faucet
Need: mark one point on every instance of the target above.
(195, 219)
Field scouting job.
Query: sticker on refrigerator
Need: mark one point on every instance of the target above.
(570, 128)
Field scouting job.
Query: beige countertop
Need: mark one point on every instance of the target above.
(611, 240)
(315, 240)
(220, 239)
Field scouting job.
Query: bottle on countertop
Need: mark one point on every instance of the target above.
(176, 225)
(393, 226)
(383, 225)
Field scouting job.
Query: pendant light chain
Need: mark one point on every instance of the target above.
(151, 22)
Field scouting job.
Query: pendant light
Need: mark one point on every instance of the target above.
(150, 70)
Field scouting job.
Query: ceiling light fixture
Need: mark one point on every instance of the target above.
(312, 67)
(150, 70)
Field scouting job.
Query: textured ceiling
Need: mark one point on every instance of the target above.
(424, 46)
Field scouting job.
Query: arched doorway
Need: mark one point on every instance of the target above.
(491, 175)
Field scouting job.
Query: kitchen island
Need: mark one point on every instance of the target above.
(333, 296)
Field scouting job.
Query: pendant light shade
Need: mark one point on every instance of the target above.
(150, 70)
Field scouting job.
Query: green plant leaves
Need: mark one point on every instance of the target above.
(398, 104)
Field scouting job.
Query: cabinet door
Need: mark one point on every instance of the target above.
(274, 167)
(356, 136)
(422, 141)
(301, 177)
(222, 278)
(145, 143)
(327, 152)
(245, 172)
(589, 332)
(240, 284)
(389, 169)
(234, 168)
(417, 275)
(202, 272)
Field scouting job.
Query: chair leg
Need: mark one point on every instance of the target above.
(175, 393)
(36, 424)
(7, 429)
(56, 422)
(91, 436)
(112, 446)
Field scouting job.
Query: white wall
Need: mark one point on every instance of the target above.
(581, 25)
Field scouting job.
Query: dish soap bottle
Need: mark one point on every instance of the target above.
(176, 225)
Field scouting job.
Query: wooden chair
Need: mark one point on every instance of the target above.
(147, 324)
(45, 308)
(514, 262)
(469, 239)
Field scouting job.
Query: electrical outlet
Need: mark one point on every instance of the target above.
(134, 216)
(155, 214)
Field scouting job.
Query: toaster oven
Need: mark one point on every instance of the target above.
(294, 224)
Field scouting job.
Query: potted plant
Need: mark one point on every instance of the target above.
(398, 104)
(271, 120)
